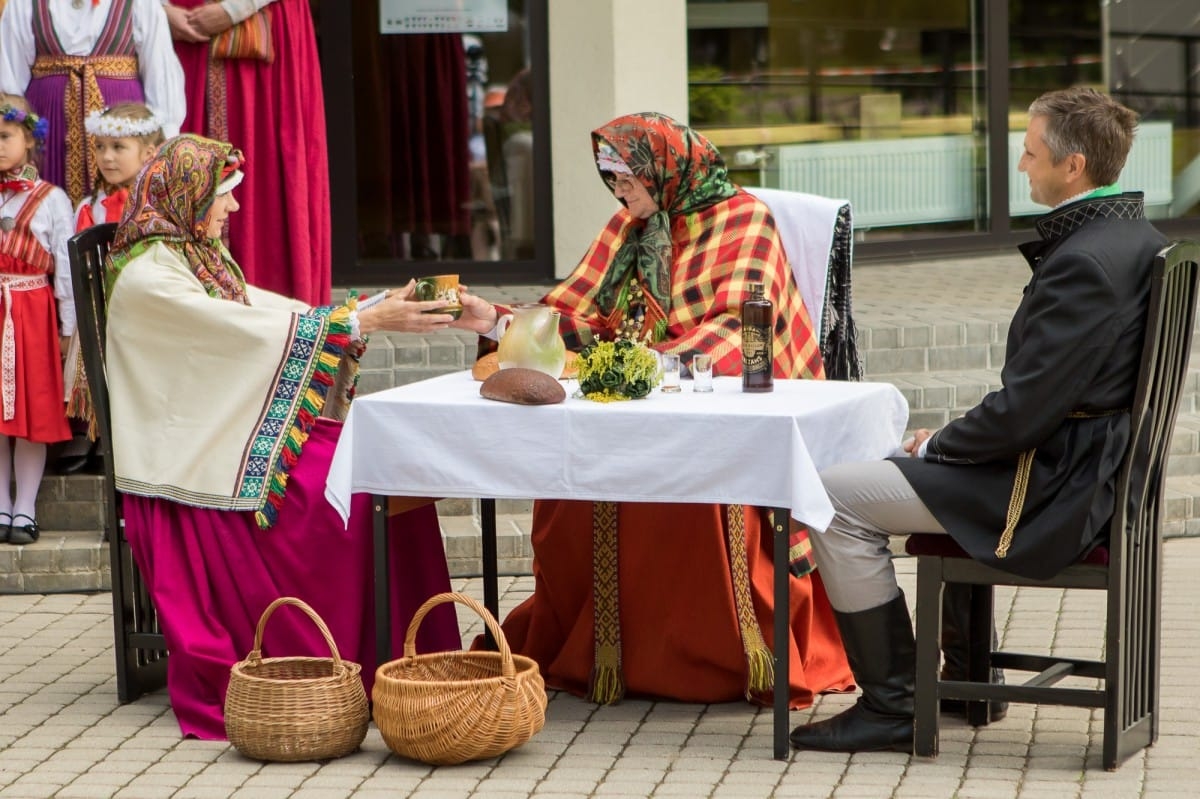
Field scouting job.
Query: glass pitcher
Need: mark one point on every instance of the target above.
(532, 340)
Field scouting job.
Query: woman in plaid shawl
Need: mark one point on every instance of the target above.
(692, 621)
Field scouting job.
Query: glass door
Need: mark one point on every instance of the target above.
(438, 131)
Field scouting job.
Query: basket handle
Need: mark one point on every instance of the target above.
(410, 639)
(256, 654)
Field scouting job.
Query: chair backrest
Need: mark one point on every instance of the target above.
(1135, 532)
(1170, 316)
(87, 252)
(141, 650)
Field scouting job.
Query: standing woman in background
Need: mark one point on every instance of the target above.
(264, 92)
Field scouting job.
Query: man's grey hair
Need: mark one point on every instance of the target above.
(1085, 121)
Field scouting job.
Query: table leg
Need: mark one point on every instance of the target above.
(491, 579)
(779, 523)
(383, 604)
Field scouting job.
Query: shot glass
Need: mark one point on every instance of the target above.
(670, 367)
(702, 373)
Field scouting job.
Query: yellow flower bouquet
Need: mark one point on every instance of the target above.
(611, 371)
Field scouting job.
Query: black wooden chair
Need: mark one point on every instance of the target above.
(1128, 569)
(140, 648)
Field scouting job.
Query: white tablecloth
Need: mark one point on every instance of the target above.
(440, 438)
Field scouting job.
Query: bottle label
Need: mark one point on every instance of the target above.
(756, 350)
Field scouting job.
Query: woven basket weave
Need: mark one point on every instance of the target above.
(295, 708)
(451, 707)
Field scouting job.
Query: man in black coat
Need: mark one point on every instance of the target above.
(1024, 480)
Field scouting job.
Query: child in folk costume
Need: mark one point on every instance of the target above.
(124, 137)
(35, 223)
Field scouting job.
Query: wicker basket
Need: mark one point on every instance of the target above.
(295, 708)
(451, 707)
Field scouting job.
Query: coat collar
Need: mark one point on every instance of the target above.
(1062, 222)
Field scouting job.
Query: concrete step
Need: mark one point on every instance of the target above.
(66, 561)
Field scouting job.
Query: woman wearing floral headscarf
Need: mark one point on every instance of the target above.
(681, 606)
(218, 397)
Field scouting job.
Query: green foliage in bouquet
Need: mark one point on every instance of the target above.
(610, 371)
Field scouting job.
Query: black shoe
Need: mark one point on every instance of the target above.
(27, 533)
(956, 615)
(73, 456)
(882, 653)
(5, 527)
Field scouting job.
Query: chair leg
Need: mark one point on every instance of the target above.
(929, 625)
(979, 650)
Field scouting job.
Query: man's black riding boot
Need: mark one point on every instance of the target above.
(882, 653)
(956, 621)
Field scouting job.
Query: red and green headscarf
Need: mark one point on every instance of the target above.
(684, 173)
(169, 202)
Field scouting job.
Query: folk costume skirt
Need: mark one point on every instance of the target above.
(211, 573)
(39, 413)
(679, 628)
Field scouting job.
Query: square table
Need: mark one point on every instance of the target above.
(440, 438)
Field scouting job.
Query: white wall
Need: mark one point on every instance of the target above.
(607, 58)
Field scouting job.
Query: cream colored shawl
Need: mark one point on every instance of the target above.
(211, 400)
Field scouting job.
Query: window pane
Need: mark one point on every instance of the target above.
(1052, 45)
(880, 103)
(444, 142)
(1153, 47)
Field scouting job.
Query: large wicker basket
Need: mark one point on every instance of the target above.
(451, 707)
(295, 708)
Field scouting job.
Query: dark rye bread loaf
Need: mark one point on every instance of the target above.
(523, 386)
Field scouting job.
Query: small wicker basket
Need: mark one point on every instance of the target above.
(451, 707)
(295, 708)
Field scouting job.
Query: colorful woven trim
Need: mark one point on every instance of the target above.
(302, 385)
(760, 663)
(800, 557)
(606, 685)
(79, 404)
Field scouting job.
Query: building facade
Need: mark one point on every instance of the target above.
(461, 137)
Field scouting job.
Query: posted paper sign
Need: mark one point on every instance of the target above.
(442, 16)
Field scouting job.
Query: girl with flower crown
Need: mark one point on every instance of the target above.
(124, 137)
(35, 223)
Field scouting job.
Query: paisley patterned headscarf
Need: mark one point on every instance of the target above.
(684, 173)
(169, 202)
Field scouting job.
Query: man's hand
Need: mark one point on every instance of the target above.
(210, 19)
(181, 26)
(913, 445)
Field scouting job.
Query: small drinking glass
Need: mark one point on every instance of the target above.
(702, 373)
(670, 367)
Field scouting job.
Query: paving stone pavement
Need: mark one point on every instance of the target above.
(63, 735)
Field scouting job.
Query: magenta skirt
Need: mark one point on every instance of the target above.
(211, 574)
